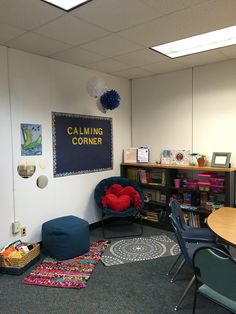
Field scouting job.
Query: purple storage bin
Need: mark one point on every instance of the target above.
(217, 181)
(217, 188)
(192, 184)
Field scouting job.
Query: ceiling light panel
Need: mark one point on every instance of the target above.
(208, 41)
(67, 5)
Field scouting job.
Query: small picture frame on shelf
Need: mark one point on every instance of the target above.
(221, 160)
(130, 155)
(143, 154)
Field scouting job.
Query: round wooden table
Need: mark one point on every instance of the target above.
(223, 223)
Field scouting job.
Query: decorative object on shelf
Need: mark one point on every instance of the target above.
(175, 157)
(177, 182)
(130, 155)
(201, 159)
(143, 154)
(110, 99)
(220, 160)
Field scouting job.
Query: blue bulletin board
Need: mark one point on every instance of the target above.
(81, 144)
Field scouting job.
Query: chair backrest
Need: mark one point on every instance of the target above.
(177, 214)
(217, 270)
(180, 240)
(103, 185)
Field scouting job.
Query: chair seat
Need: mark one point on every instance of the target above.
(112, 208)
(192, 247)
(127, 213)
(217, 297)
(198, 234)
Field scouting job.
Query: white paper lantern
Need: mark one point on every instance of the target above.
(96, 87)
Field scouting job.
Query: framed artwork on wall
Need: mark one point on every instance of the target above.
(220, 159)
(31, 139)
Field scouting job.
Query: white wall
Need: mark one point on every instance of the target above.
(6, 191)
(189, 109)
(39, 86)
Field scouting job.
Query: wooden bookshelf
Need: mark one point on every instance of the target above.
(157, 182)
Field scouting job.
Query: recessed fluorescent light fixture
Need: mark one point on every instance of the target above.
(212, 40)
(67, 5)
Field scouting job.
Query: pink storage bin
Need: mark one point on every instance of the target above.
(192, 184)
(205, 175)
(217, 181)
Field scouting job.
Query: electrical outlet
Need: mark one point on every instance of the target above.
(23, 231)
(16, 227)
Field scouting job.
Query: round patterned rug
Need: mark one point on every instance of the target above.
(139, 249)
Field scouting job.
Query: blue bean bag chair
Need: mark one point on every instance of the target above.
(65, 237)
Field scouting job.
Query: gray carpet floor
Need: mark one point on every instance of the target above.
(134, 288)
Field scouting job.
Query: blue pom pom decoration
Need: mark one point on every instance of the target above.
(110, 99)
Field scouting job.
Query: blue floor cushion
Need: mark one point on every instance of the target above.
(65, 237)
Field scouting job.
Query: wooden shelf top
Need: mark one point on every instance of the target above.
(179, 167)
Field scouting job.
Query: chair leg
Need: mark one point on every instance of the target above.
(141, 224)
(172, 267)
(122, 235)
(195, 299)
(103, 228)
(185, 293)
(178, 270)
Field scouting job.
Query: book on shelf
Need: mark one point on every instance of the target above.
(191, 219)
(142, 176)
(151, 215)
(132, 174)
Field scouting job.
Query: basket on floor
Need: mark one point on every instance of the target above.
(17, 266)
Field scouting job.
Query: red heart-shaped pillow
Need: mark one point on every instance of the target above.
(118, 204)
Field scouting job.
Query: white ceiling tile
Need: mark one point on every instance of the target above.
(202, 58)
(8, 32)
(229, 52)
(37, 44)
(86, 35)
(132, 73)
(162, 67)
(192, 21)
(77, 56)
(71, 30)
(203, 18)
(141, 57)
(116, 15)
(108, 66)
(111, 45)
(147, 34)
(170, 6)
(27, 14)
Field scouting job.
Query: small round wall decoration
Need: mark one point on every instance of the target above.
(110, 99)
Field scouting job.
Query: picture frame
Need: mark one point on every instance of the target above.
(130, 155)
(220, 159)
(143, 154)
